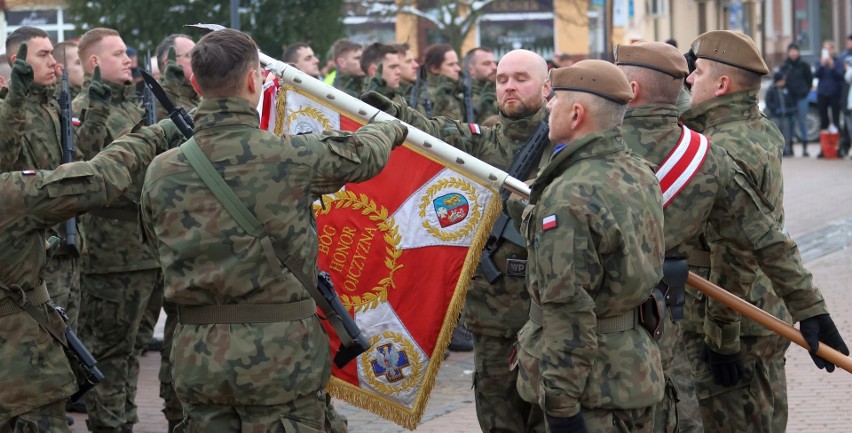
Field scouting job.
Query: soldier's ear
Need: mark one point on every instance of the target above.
(637, 90)
(195, 86)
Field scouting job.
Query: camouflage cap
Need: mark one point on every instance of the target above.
(731, 48)
(658, 56)
(598, 77)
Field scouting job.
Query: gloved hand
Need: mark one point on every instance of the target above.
(22, 77)
(822, 328)
(401, 133)
(572, 424)
(98, 89)
(173, 72)
(727, 369)
(381, 102)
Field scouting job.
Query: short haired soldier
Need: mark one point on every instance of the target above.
(384, 79)
(495, 312)
(302, 56)
(740, 379)
(407, 68)
(67, 57)
(594, 233)
(482, 68)
(349, 76)
(173, 58)
(221, 274)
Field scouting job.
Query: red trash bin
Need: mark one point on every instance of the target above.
(829, 142)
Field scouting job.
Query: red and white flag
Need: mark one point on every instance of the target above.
(401, 249)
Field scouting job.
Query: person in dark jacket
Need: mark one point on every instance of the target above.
(781, 109)
(798, 84)
(829, 70)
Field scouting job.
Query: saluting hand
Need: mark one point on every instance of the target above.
(98, 89)
(22, 77)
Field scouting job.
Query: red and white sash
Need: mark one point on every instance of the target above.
(683, 162)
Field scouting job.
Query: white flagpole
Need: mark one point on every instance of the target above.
(363, 111)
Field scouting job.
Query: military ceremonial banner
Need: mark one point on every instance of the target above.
(401, 249)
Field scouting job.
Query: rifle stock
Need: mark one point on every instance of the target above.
(359, 343)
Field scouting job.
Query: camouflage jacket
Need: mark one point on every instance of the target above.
(502, 308)
(352, 85)
(208, 259)
(35, 370)
(734, 123)
(178, 89)
(30, 136)
(721, 195)
(484, 99)
(594, 231)
(446, 97)
(114, 237)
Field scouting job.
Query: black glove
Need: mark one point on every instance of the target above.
(381, 102)
(22, 77)
(572, 424)
(402, 133)
(822, 328)
(173, 71)
(98, 89)
(727, 369)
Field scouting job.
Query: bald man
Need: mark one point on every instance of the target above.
(495, 313)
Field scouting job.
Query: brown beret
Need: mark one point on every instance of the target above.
(597, 77)
(658, 56)
(731, 48)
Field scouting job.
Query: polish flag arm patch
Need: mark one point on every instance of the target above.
(474, 129)
(549, 222)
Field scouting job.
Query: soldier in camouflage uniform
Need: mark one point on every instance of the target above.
(238, 370)
(482, 68)
(442, 67)
(36, 377)
(122, 268)
(349, 77)
(738, 365)
(173, 58)
(594, 232)
(407, 69)
(381, 63)
(30, 140)
(494, 313)
(67, 57)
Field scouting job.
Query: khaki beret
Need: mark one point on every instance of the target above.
(731, 48)
(598, 77)
(658, 56)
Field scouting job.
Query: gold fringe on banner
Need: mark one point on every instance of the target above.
(280, 109)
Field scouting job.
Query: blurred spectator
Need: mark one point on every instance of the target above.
(5, 71)
(781, 109)
(798, 78)
(846, 136)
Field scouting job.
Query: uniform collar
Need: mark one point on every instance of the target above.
(520, 129)
(722, 109)
(225, 112)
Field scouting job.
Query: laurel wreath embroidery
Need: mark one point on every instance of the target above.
(475, 212)
(344, 200)
(415, 363)
(313, 113)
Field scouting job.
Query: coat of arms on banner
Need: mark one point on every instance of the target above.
(401, 249)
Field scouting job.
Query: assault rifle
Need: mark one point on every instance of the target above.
(522, 167)
(86, 362)
(469, 117)
(148, 96)
(352, 341)
(420, 86)
(66, 138)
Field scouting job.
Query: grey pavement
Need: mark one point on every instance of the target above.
(818, 205)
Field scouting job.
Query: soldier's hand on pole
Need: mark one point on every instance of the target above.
(571, 424)
(727, 369)
(22, 77)
(822, 328)
(98, 89)
(381, 102)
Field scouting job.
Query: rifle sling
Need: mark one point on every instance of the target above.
(238, 210)
(31, 302)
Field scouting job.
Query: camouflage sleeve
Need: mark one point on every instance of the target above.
(51, 197)
(92, 134)
(342, 157)
(479, 141)
(742, 221)
(486, 106)
(446, 104)
(569, 333)
(14, 121)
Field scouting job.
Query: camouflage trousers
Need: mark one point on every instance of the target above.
(759, 402)
(303, 415)
(62, 277)
(679, 412)
(115, 304)
(334, 421)
(499, 408)
(49, 418)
